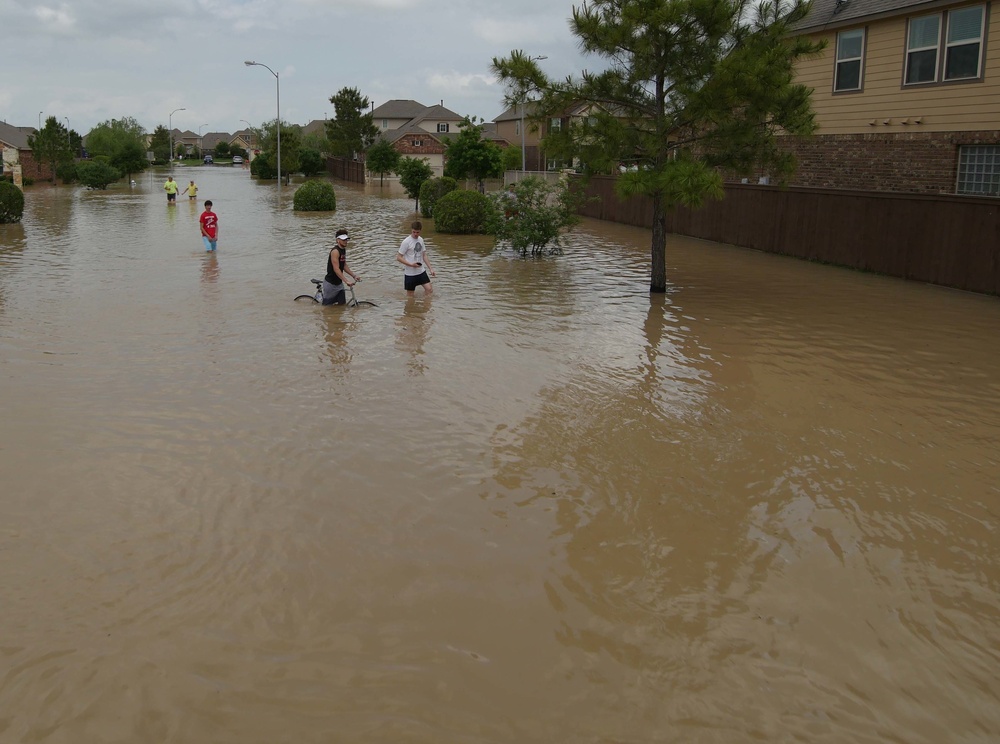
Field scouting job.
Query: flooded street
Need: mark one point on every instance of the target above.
(541, 506)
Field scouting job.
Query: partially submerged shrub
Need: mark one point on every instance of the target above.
(11, 202)
(431, 191)
(462, 212)
(532, 214)
(315, 196)
(97, 174)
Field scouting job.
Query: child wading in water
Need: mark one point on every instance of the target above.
(209, 227)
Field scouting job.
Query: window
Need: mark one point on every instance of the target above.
(979, 170)
(961, 57)
(385, 123)
(555, 125)
(442, 127)
(921, 49)
(850, 60)
(964, 44)
(418, 143)
(517, 127)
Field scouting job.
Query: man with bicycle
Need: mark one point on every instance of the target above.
(336, 268)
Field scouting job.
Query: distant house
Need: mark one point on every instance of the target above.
(189, 139)
(14, 144)
(210, 139)
(906, 95)
(246, 140)
(509, 128)
(416, 130)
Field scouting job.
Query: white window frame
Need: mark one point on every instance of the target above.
(978, 170)
(860, 59)
(555, 125)
(418, 143)
(385, 123)
(442, 126)
(943, 46)
(517, 127)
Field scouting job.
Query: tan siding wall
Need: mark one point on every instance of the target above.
(941, 108)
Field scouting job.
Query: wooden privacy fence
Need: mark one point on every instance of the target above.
(348, 170)
(948, 240)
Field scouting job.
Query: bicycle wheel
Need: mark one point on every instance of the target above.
(306, 297)
(365, 302)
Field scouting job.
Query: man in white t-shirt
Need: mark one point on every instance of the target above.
(413, 255)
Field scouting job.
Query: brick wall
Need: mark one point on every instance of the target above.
(30, 167)
(428, 145)
(914, 163)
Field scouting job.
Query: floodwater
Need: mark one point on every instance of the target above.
(541, 506)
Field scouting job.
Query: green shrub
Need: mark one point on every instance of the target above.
(315, 196)
(97, 174)
(263, 166)
(311, 162)
(66, 172)
(532, 215)
(11, 202)
(462, 212)
(431, 191)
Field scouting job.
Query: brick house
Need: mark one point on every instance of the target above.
(417, 131)
(15, 149)
(906, 95)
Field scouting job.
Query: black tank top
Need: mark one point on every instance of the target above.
(331, 275)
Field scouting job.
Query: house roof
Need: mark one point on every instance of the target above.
(438, 112)
(316, 125)
(514, 112)
(15, 136)
(211, 139)
(394, 135)
(826, 13)
(398, 109)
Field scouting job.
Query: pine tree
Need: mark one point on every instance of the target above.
(692, 89)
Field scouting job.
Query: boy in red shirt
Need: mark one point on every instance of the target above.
(209, 227)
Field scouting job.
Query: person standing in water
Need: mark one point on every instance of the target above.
(336, 269)
(209, 222)
(171, 188)
(413, 255)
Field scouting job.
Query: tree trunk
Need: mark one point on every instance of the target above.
(658, 272)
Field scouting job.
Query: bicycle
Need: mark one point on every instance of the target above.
(317, 296)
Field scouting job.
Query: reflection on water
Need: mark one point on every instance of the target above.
(413, 325)
(545, 507)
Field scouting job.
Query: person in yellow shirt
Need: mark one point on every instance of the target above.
(191, 190)
(171, 188)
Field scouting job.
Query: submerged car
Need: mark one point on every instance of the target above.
(208, 160)
(237, 160)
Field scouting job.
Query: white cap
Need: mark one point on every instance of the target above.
(342, 235)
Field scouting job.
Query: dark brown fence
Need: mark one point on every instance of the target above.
(948, 240)
(348, 170)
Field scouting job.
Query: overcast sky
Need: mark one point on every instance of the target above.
(93, 60)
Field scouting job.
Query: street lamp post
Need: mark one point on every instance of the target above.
(39, 121)
(201, 141)
(277, 94)
(170, 126)
(523, 162)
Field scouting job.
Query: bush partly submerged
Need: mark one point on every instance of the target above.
(11, 202)
(432, 190)
(315, 196)
(462, 212)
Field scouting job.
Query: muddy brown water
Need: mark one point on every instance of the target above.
(541, 506)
